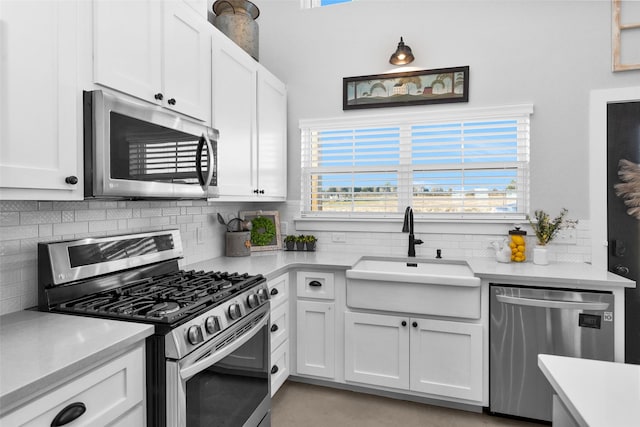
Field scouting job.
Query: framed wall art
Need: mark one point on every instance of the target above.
(437, 86)
(265, 230)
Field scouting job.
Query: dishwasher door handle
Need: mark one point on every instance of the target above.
(550, 303)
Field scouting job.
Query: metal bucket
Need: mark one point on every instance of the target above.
(236, 19)
(238, 243)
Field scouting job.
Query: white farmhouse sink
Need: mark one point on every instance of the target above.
(414, 285)
(414, 270)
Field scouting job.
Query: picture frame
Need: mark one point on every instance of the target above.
(265, 230)
(437, 86)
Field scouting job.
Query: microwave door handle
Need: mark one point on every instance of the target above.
(191, 370)
(204, 183)
(549, 303)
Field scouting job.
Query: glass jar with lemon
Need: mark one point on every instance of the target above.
(518, 245)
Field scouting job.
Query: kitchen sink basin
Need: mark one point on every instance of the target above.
(415, 286)
(414, 270)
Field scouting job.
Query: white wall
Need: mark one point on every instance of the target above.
(549, 53)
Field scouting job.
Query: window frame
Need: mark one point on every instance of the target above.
(520, 112)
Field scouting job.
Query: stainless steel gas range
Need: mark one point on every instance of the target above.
(208, 360)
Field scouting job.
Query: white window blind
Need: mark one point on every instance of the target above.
(456, 164)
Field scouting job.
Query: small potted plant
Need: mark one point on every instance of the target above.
(290, 242)
(310, 240)
(300, 240)
(545, 229)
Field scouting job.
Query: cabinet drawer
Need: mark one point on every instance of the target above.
(279, 328)
(278, 289)
(279, 366)
(107, 392)
(311, 284)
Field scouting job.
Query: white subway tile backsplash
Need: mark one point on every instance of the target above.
(45, 230)
(68, 216)
(69, 206)
(18, 205)
(150, 212)
(97, 226)
(71, 228)
(91, 215)
(9, 218)
(19, 232)
(40, 217)
(119, 213)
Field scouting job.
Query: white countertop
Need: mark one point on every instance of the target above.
(38, 350)
(271, 264)
(597, 393)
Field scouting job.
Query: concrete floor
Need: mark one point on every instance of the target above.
(304, 405)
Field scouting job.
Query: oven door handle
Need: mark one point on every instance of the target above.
(201, 364)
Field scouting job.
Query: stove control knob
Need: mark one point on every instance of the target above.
(211, 324)
(253, 301)
(263, 294)
(234, 311)
(194, 335)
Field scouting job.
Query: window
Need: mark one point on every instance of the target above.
(308, 4)
(469, 164)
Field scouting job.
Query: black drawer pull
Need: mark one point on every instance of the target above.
(414, 324)
(274, 328)
(274, 291)
(274, 369)
(315, 283)
(404, 323)
(68, 414)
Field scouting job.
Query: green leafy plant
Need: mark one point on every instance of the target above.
(290, 238)
(545, 227)
(301, 238)
(310, 238)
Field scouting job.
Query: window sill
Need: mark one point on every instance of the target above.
(393, 225)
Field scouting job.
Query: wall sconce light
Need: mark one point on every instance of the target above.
(402, 55)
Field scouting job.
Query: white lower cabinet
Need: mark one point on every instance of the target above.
(113, 395)
(315, 335)
(437, 357)
(279, 330)
(279, 367)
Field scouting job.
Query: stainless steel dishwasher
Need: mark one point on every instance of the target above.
(527, 321)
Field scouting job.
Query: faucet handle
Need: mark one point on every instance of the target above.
(417, 241)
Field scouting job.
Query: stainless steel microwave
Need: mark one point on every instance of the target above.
(134, 150)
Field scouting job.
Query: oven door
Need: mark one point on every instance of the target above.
(225, 383)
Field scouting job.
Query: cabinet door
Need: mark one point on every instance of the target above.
(187, 61)
(279, 325)
(272, 136)
(446, 358)
(113, 391)
(278, 290)
(39, 107)
(234, 106)
(127, 37)
(279, 366)
(377, 349)
(316, 339)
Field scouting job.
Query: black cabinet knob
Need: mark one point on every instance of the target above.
(158, 96)
(69, 413)
(404, 323)
(274, 291)
(274, 369)
(172, 101)
(256, 191)
(315, 283)
(414, 324)
(73, 180)
(261, 191)
(274, 328)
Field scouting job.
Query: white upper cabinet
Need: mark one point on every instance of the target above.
(250, 112)
(40, 128)
(158, 51)
(234, 115)
(272, 135)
